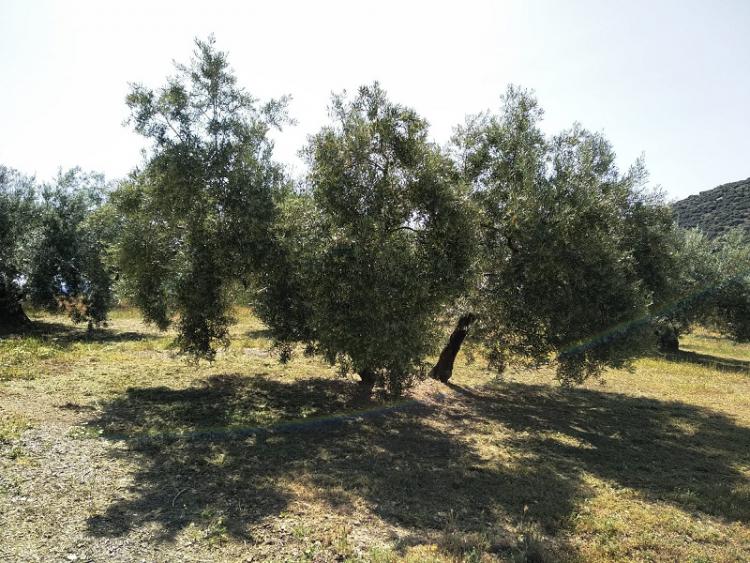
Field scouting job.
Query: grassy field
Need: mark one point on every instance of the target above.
(114, 449)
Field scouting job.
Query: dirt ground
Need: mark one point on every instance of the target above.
(112, 448)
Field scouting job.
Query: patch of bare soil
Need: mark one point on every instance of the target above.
(70, 493)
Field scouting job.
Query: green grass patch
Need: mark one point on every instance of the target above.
(11, 426)
(148, 448)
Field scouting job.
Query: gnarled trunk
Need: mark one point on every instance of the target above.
(669, 341)
(443, 369)
(368, 378)
(12, 316)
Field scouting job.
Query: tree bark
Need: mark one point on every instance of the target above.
(443, 369)
(368, 378)
(669, 341)
(12, 316)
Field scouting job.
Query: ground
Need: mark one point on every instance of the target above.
(112, 448)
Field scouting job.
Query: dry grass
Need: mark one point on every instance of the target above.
(114, 449)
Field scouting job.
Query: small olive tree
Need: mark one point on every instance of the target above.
(383, 241)
(197, 217)
(283, 291)
(67, 267)
(52, 249)
(18, 218)
(711, 288)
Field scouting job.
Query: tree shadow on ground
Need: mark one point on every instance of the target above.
(235, 446)
(65, 335)
(263, 333)
(714, 362)
(666, 450)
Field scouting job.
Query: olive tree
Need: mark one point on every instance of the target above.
(197, 216)
(383, 241)
(562, 279)
(17, 221)
(67, 268)
(282, 292)
(711, 288)
(52, 249)
(729, 303)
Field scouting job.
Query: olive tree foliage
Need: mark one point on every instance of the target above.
(17, 219)
(282, 295)
(712, 288)
(655, 241)
(53, 246)
(67, 263)
(729, 304)
(563, 276)
(196, 218)
(376, 247)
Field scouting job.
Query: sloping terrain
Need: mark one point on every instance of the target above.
(113, 449)
(717, 210)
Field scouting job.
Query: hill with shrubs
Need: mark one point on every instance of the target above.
(718, 210)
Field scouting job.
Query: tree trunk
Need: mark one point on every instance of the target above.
(12, 316)
(669, 341)
(368, 378)
(443, 369)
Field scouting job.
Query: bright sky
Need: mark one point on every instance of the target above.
(670, 79)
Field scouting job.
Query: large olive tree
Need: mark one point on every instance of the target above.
(197, 216)
(563, 278)
(381, 242)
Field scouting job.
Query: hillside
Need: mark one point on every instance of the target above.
(717, 210)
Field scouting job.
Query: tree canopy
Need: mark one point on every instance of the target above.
(197, 216)
(391, 242)
(569, 250)
(17, 214)
(711, 287)
(53, 249)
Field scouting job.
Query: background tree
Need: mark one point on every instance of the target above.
(66, 268)
(389, 242)
(51, 248)
(18, 214)
(656, 243)
(282, 295)
(729, 304)
(197, 217)
(559, 225)
(711, 288)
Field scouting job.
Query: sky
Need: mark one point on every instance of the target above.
(667, 79)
